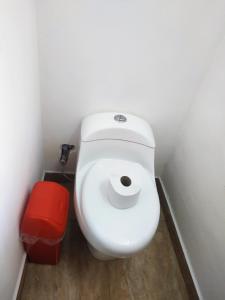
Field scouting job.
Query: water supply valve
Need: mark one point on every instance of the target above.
(65, 153)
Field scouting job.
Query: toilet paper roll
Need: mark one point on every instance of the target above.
(123, 191)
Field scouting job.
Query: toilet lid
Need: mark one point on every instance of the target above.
(119, 230)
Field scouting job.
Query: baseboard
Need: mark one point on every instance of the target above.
(177, 241)
(43, 175)
(21, 275)
(58, 172)
(178, 244)
(20, 278)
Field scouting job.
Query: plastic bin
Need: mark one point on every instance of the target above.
(44, 222)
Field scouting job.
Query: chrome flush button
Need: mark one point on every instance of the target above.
(120, 118)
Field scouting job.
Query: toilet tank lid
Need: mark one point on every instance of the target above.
(117, 126)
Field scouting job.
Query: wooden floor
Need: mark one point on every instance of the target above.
(152, 274)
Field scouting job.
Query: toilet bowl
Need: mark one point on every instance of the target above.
(116, 199)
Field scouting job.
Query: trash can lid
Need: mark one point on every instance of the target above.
(46, 212)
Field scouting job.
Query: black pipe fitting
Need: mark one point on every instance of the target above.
(65, 152)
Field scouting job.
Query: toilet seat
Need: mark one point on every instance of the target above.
(119, 232)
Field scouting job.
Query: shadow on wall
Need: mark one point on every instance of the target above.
(194, 179)
(142, 57)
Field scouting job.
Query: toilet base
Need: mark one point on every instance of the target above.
(99, 255)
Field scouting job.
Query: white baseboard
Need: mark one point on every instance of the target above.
(43, 176)
(182, 242)
(178, 233)
(58, 172)
(20, 274)
(19, 278)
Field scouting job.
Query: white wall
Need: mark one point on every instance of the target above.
(20, 131)
(195, 181)
(144, 57)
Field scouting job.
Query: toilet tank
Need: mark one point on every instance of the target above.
(117, 126)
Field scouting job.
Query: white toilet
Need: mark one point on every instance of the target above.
(116, 199)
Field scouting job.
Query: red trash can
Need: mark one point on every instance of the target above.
(44, 222)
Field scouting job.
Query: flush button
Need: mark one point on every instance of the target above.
(120, 118)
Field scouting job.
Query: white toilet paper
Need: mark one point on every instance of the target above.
(123, 191)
